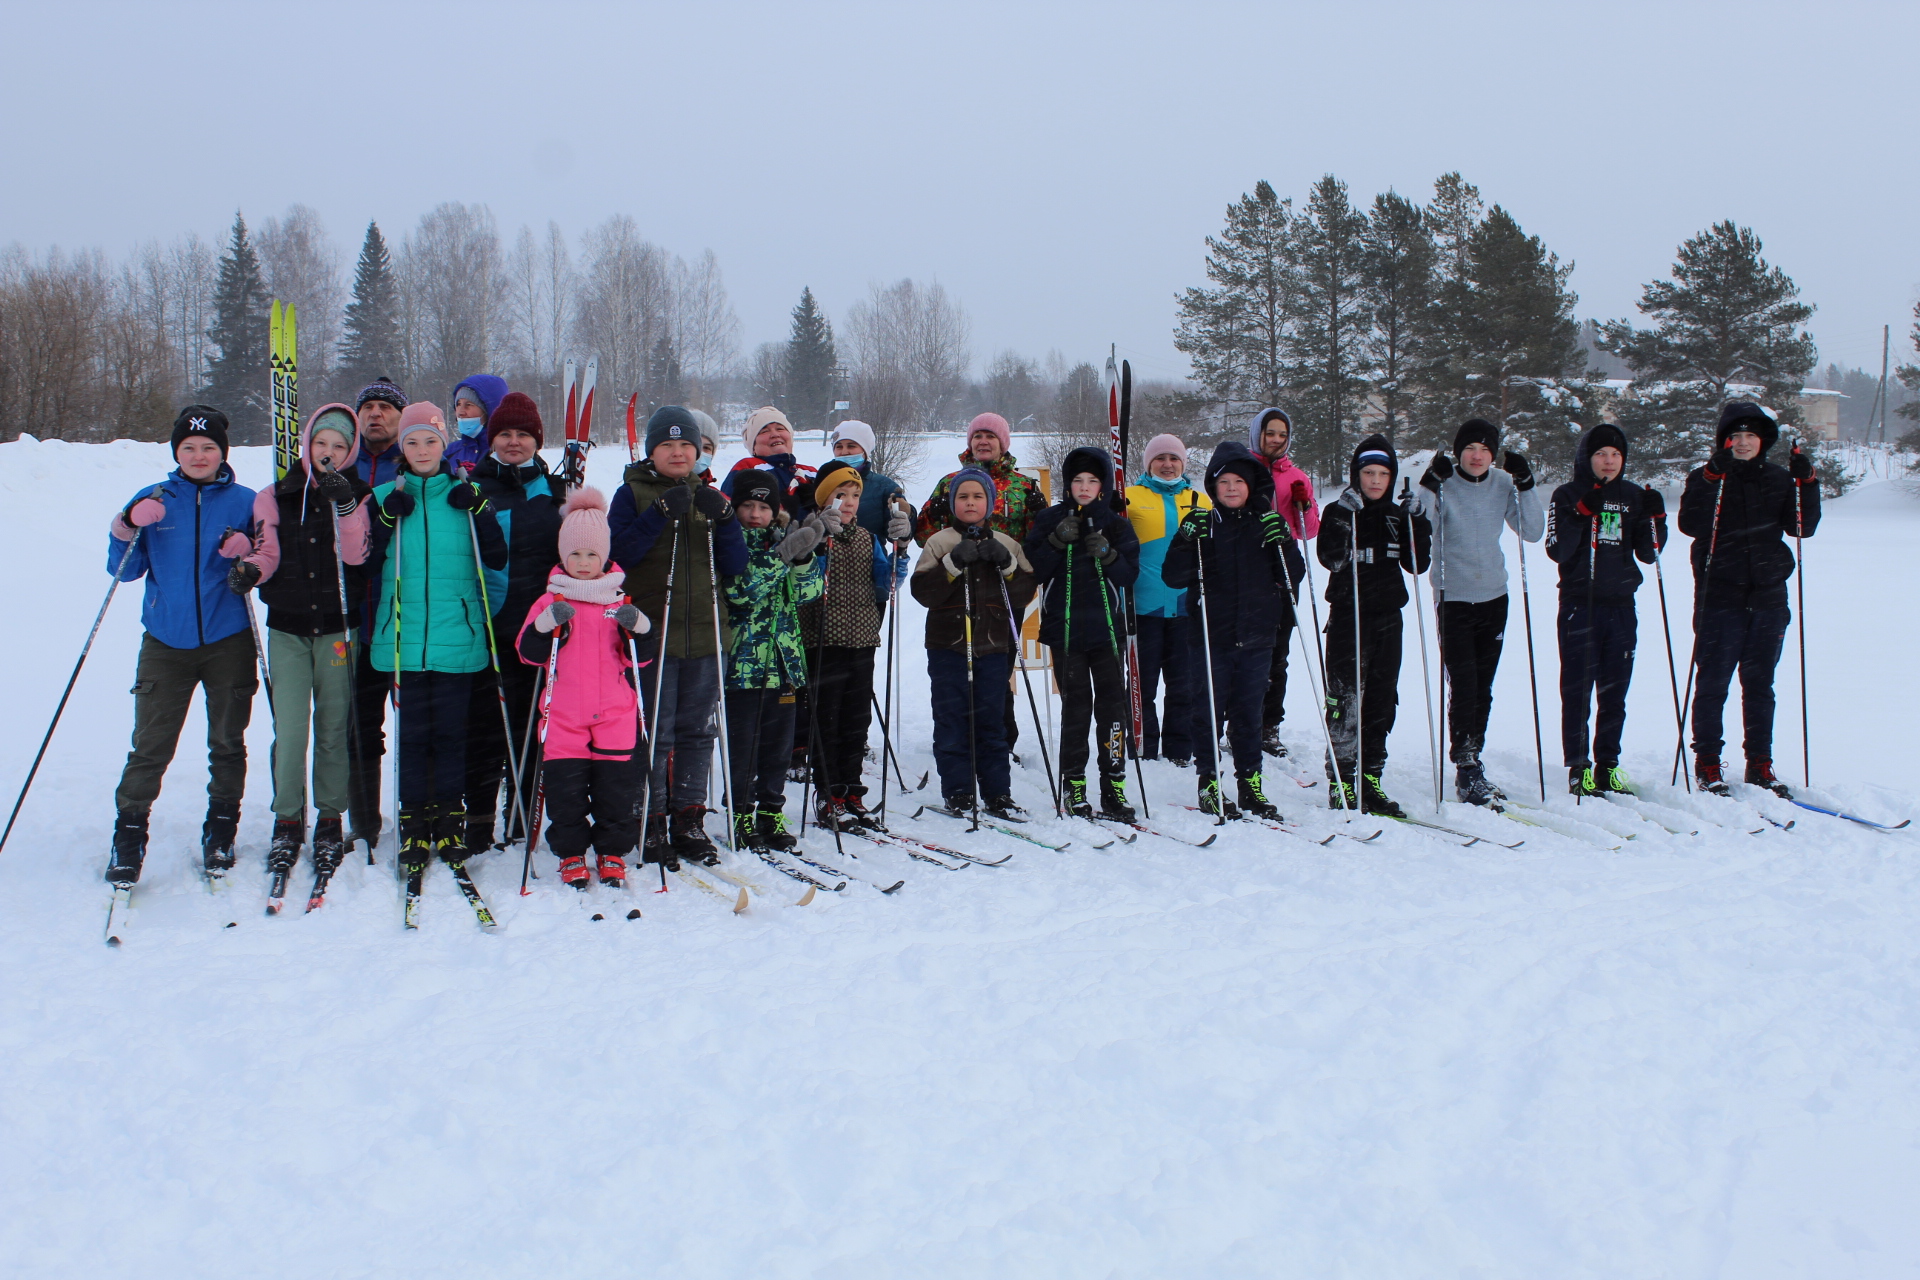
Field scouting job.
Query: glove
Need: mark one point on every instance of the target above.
(631, 620)
(467, 497)
(676, 502)
(830, 520)
(335, 488)
(899, 527)
(398, 505)
(712, 503)
(142, 512)
(1066, 533)
(1515, 465)
(1351, 500)
(1273, 529)
(1800, 465)
(798, 546)
(965, 552)
(1589, 504)
(1198, 524)
(1654, 503)
(1439, 469)
(243, 577)
(1099, 548)
(234, 544)
(553, 616)
(1719, 464)
(1301, 494)
(994, 552)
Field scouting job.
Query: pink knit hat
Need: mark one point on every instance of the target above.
(1165, 444)
(995, 423)
(422, 415)
(583, 524)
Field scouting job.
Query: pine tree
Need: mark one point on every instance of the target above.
(238, 378)
(1727, 325)
(1401, 258)
(1233, 332)
(812, 367)
(664, 384)
(371, 345)
(1322, 353)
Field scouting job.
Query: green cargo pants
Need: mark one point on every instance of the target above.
(163, 687)
(312, 684)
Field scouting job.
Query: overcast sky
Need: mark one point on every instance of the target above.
(1055, 166)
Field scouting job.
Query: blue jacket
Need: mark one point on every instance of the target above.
(875, 492)
(380, 470)
(187, 603)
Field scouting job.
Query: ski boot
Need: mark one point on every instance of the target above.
(1004, 808)
(1611, 777)
(217, 834)
(1581, 782)
(1340, 795)
(1271, 744)
(830, 814)
(613, 871)
(1252, 796)
(1113, 798)
(689, 839)
(1211, 801)
(573, 871)
(1377, 800)
(1707, 777)
(770, 825)
(1180, 762)
(1760, 774)
(450, 835)
(1470, 785)
(864, 819)
(416, 839)
(658, 844)
(1073, 795)
(329, 845)
(958, 802)
(746, 831)
(478, 836)
(129, 847)
(288, 834)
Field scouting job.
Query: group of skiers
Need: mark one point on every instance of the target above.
(437, 569)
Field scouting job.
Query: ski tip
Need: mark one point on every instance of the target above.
(1208, 841)
(895, 887)
(739, 904)
(1329, 840)
(597, 915)
(231, 924)
(806, 897)
(112, 940)
(274, 907)
(635, 913)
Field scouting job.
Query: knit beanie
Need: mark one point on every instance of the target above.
(422, 415)
(709, 429)
(583, 523)
(756, 485)
(516, 412)
(857, 431)
(200, 420)
(671, 422)
(1374, 451)
(383, 389)
(1166, 444)
(995, 423)
(759, 420)
(337, 420)
(976, 475)
(832, 477)
(1476, 431)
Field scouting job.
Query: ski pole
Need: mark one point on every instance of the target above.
(514, 811)
(253, 629)
(1438, 570)
(1591, 636)
(1206, 658)
(727, 798)
(1359, 682)
(1317, 689)
(346, 634)
(393, 614)
(1420, 619)
(1313, 597)
(546, 712)
(1800, 612)
(1033, 706)
(973, 741)
(886, 712)
(1699, 592)
(1135, 707)
(1533, 678)
(1666, 629)
(85, 649)
(659, 685)
(816, 750)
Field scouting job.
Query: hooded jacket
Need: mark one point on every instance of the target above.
(464, 452)
(967, 604)
(594, 679)
(642, 540)
(299, 574)
(763, 611)
(1303, 521)
(1627, 530)
(1376, 530)
(1017, 499)
(1739, 522)
(1156, 507)
(1081, 605)
(1244, 597)
(876, 493)
(187, 603)
(430, 616)
(526, 500)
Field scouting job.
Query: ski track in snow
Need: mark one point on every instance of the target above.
(1695, 1056)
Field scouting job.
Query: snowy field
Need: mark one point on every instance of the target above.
(1688, 1056)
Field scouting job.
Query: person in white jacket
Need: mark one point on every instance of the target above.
(1471, 503)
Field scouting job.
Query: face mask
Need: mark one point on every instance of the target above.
(705, 463)
(854, 459)
(470, 426)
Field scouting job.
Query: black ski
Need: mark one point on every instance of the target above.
(766, 856)
(1144, 829)
(318, 898)
(472, 893)
(410, 916)
(919, 850)
(277, 893)
(990, 825)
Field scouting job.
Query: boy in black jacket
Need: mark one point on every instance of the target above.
(1599, 524)
(1738, 509)
(1238, 558)
(1364, 545)
(1084, 553)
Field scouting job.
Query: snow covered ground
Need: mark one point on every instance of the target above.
(1687, 1056)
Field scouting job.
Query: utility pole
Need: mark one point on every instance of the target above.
(1886, 342)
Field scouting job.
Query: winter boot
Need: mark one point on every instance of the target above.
(746, 831)
(478, 836)
(1470, 785)
(574, 871)
(416, 838)
(657, 845)
(129, 847)
(1211, 801)
(863, 818)
(1271, 744)
(830, 814)
(689, 839)
(1376, 800)
(288, 834)
(1706, 776)
(329, 845)
(613, 871)
(1004, 808)
(1581, 782)
(217, 834)
(1073, 794)
(450, 835)
(1180, 762)
(1760, 774)
(1113, 798)
(1611, 777)
(771, 827)
(1253, 797)
(958, 802)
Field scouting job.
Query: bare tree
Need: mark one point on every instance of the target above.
(537, 305)
(706, 330)
(915, 335)
(450, 288)
(303, 266)
(625, 302)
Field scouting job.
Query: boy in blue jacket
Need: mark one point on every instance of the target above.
(184, 536)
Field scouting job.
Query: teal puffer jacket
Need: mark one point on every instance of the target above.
(440, 621)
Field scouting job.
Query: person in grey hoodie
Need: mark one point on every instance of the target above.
(1471, 505)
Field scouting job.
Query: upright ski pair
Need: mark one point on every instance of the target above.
(283, 364)
(579, 422)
